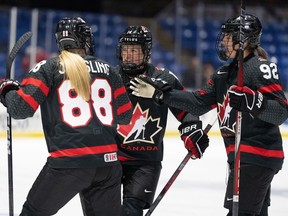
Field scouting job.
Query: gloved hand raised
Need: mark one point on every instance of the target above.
(194, 138)
(147, 87)
(246, 100)
(6, 86)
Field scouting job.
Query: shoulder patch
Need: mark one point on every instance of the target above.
(160, 68)
(262, 59)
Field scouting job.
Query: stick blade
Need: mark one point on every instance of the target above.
(18, 45)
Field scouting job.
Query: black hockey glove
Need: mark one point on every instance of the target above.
(148, 87)
(194, 138)
(6, 86)
(246, 100)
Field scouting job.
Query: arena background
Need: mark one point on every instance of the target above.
(184, 33)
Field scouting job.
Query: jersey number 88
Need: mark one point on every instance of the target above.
(76, 112)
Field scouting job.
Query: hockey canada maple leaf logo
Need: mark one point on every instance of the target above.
(136, 129)
(227, 121)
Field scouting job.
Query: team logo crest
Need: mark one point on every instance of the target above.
(142, 127)
(226, 116)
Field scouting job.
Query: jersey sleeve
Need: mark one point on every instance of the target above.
(123, 103)
(196, 103)
(265, 78)
(34, 89)
(180, 115)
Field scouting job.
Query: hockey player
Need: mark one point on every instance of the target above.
(261, 101)
(82, 100)
(141, 142)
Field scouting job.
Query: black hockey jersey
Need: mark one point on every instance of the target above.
(261, 142)
(141, 141)
(78, 133)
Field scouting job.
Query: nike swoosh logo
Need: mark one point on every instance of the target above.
(222, 72)
(147, 191)
(229, 199)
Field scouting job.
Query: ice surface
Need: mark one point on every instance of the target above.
(198, 190)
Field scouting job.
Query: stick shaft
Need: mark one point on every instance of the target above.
(18, 45)
(10, 166)
(169, 183)
(236, 177)
(174, 176)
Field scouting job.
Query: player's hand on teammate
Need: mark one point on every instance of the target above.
(194, 138)
(147, 87)
(7, 85)
(246, 100)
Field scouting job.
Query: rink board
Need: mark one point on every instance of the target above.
(32, 127)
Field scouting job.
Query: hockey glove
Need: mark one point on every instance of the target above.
(148, 87)
(6, 86)
(194, 138)
(246, 100)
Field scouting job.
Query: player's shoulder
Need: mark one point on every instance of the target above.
(163, 73)
(159, 69)
(223, 70)
(47, 65)
(115, 74)
(260, 64)
(258, 60)
(51, 61)
(117, 69)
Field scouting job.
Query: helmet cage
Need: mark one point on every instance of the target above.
(74, 34)
(252, 30)
(135, 35)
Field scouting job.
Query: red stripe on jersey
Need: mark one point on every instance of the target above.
(181, 115)
(256, 151)
(209, 81)
(201, 92)
(38, 83)
(124, 108)
(29, 99)
(230, 148)
(84, 151)
(122, 158)
(270, 88)
(285, 101)
(262, 151)
(119, 91)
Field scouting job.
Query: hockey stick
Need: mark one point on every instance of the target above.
(18, 45)
(174, 176)
(236, 177)
(21, 41)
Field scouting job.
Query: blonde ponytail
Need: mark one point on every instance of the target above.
(75, 70)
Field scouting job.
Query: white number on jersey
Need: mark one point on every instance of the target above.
(269, 71)
(76, 112)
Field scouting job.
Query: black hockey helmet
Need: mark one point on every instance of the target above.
(252, 29)
(74, 33)
(135, 35)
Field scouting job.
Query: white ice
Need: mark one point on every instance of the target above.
(198, 190)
